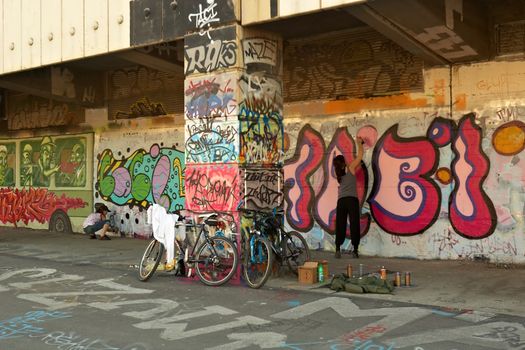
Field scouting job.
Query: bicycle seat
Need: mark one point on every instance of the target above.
(210, 219)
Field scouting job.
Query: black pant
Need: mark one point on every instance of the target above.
(347, 208)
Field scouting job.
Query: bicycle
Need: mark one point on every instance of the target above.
(215, 259)
(267, 240)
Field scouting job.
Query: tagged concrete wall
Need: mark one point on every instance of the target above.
(435, 182)
(136, 166)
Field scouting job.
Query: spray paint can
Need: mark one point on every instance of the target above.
(408, 279)
(361, 270)
(383, 273)
(397, 280)
(349, 270)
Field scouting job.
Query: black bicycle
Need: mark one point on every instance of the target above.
(213, 256)
(267, 240)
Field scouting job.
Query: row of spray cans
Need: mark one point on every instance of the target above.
(383, 273)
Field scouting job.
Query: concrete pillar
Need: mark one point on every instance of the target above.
(233, 116)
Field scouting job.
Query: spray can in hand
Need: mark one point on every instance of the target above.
(320, 273)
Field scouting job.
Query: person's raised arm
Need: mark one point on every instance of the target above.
(352, 167)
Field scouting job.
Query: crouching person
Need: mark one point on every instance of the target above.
(97, 221)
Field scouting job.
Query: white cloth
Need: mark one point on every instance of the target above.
(163, 228)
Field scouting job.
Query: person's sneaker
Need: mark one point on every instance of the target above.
(355, 254)
(92, 236)
(338, 254)
(105, 238)
(161, 267)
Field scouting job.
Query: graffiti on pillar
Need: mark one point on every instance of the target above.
(261, 139)
(7, 164)
(204, 56)
(211, 96)
(212, 187)
(260, 120)
(311, 196)
(145, 177)
(211, 141)
(34, 204)
(260, 50)
(263, 188)
(205, 17)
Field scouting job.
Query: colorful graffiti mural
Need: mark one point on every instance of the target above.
(416, 181)
(145, 177)
(63, 159)
(7, 164)
(312, 199)
(33, 205)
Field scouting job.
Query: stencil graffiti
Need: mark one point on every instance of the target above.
(212, 187)
(211, 97)
(143, 178)
(210, 141)
(263, 188)
(33, 205)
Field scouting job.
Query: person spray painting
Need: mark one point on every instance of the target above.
(347, 201)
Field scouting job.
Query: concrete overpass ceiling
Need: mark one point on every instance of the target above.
(312, 24)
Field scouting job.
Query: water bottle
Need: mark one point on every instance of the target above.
(320, 273)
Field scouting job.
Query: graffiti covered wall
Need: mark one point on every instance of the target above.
(430, 185)
(41, 176)
(136, 168)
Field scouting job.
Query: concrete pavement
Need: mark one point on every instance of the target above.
(465, 285)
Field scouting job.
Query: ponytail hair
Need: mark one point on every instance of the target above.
(339, 164)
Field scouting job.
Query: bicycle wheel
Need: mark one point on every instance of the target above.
(217, 261)
(150, 260)
(297, 251)
(257, 261)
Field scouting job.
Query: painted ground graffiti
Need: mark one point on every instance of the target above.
(33, 205)
(145, 177)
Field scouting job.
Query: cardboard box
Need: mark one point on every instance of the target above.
(308, 273)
